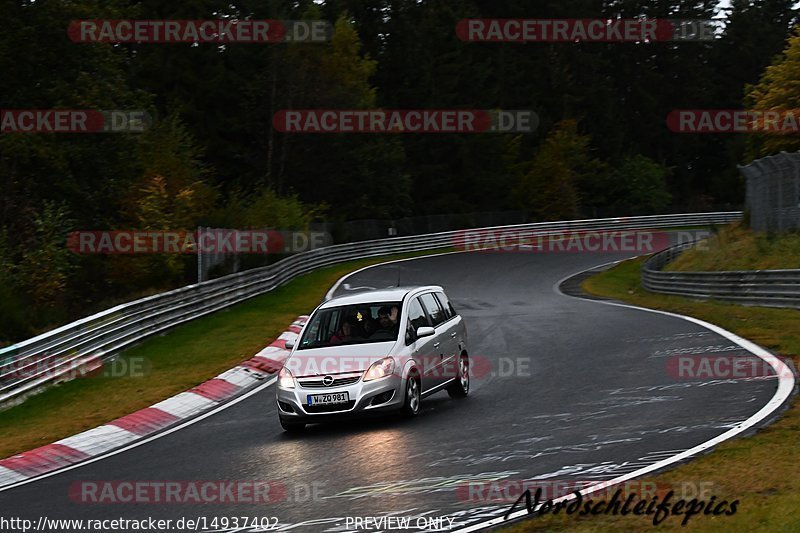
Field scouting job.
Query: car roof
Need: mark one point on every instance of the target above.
(393, 294)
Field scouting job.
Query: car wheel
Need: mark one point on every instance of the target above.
(292, 427)
(460, 387)
(413, 396)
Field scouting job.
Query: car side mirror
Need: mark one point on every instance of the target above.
(425, 331)
(289, 344)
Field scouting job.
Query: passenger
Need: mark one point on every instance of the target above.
(368, 324)
(347, 332)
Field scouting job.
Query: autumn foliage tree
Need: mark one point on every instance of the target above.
(778, 89)
(548, 188)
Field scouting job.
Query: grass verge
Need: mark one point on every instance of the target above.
(735, 247)
(165, 365)
(762, 471)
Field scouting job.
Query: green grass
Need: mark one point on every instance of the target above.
(175, 361)
(738, 248)
(761, 471)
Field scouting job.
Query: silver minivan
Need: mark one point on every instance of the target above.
(373, 352)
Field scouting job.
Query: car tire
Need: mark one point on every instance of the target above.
(413, 396)
(460, 387)
(292, 427)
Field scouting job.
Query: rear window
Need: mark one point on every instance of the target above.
(416, 319)
(433, 308)
(449, 312)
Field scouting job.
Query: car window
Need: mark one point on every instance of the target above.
(416, 319)
(449, 311)
(433, 308)
(352, 324)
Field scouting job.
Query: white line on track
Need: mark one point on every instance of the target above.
(333, 289)
(204, 415)
(148, 439)
(786, 385)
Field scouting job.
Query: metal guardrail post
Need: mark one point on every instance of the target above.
(766, 288)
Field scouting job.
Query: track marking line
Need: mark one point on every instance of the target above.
(786, 385)
(335, 287)
(785, 388)
(148, 439)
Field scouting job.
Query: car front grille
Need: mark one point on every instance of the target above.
(337, 382)
(330, 408)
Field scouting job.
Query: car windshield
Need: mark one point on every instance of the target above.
(352, 324)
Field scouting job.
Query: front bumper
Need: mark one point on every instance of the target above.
(365, 398)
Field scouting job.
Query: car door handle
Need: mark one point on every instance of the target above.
(436, 344)
(454, 334)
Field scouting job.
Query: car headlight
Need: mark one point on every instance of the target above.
(380, 369)
(285, 378)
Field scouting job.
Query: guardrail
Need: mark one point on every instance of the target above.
(768, 288)
(57, 354)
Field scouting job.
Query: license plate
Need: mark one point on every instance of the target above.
(328, 399)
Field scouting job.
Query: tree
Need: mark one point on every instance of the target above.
(46, 261)
(172, 194)
(361, 175)
(266, 210)
(778, 90)
(640, 186)
(548, 190)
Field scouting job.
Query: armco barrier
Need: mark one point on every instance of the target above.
(768, 288)
(33, 363)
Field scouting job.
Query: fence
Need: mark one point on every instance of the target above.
(212, 265)
(222, 257)
(773, 192)
(220, 264)
(360, 230)
(32, 364)
(768, 288)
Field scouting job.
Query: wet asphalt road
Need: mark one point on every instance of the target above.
(571, 389)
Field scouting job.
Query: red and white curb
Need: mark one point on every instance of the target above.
(151, 420)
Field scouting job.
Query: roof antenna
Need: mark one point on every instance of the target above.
(398, 276)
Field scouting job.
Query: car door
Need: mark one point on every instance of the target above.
(420, 349)
(441, 348)
(453, 334)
